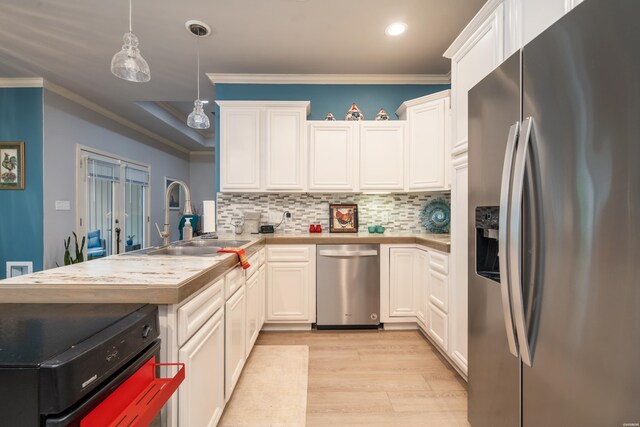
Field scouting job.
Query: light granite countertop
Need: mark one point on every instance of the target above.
(168, 279)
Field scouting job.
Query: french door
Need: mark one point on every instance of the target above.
(112, 203)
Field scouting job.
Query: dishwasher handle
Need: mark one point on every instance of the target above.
(343, 254)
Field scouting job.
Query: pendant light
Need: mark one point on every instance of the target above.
(198, 118)
(128, 64)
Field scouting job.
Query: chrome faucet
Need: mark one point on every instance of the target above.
(166, 232)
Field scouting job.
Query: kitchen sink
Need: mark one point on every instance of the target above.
(187, 251)
(198, 247)
(211, 242)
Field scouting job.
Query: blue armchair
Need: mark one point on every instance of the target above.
(96, 247)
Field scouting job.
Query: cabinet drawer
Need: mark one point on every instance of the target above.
(288, 253)
(438, 328)
(439, 293)
(233, 281)
(254, 263)
(439, 262)
(195, 313)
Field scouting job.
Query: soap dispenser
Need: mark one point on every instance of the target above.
(187, 231)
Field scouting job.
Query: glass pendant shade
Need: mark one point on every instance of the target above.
(198, 119)
(128, 64)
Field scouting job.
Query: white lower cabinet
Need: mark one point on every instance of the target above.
(422, 281)
(417, 288)
(262, 304)
(291, 284)
(253, 311)
(235, 340)
(404, 289)
(438, 327)
(201, 396)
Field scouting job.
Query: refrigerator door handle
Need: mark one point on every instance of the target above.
(503, 243)
(515, 241)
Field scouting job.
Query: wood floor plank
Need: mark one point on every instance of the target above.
(377, 378)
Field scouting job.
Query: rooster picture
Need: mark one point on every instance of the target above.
(9, 163)
(344, 218)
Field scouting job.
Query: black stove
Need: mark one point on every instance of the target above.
(59, 361)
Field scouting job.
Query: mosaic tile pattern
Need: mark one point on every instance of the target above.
(402, 209)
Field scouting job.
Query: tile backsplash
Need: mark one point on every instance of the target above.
(403, 210)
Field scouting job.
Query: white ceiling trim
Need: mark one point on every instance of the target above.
(66, 93)
(472, 27)
(21, 82)
(340, 79)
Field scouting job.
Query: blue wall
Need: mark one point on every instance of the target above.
(21, 211)
(324, 98)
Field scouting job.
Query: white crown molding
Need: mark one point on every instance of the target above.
(472, 27)
(66, 93)
(279, 104)
(418, 101)
(7, 82)
(340, 79)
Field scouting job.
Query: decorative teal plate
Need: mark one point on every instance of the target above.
(436, 216)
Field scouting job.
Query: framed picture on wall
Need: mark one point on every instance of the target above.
(343, 218)
(174, 197)
(11, 165)
(19, 268)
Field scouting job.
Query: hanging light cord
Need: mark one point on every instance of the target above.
(130, 29)
(198, 72)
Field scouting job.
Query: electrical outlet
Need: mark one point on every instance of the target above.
(385, 218)
(288, 217)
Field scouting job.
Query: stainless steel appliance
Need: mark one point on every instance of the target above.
(554, 209)
(60, 362)
(348, 286)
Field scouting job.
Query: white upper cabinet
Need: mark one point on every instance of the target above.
(428, 150)
(285, 149)
(382, 155)
(333, 154)
(240, 148)
(263, 145)
(474, 54)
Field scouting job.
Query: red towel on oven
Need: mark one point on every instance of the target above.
(244, 262)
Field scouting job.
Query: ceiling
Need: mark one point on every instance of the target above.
(71, 42)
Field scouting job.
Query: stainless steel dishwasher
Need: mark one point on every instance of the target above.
(348, 286)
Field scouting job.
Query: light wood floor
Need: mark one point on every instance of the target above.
(377, 378)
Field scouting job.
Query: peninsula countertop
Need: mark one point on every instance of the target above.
(132, 278)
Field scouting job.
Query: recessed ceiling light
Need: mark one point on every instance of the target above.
(396, 29)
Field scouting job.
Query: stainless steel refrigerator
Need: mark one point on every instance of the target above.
(554, 227)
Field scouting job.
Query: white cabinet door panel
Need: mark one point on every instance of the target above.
(240, 149)
(235, 330)
(253, 312)
(403, 292)
(476, 59)
(288, 290)
(382, 156)
(427, 154)
(285, 149)
(201, 396)
(332, 156)
(439, 285)
(422, 281)
(439, 327)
